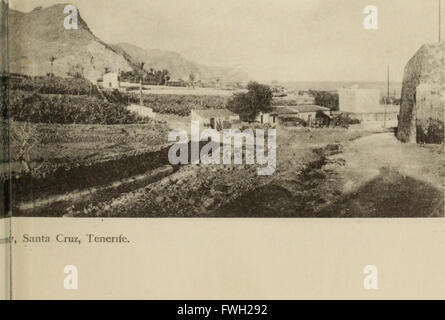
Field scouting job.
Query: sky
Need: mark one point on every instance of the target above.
(283, 40)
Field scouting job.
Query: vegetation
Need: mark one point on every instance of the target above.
(248, 105)
(68, 109)
(433, 132)
(53, 85)
(343, 120)
(180, 105)
(325, 99)
(152, 77)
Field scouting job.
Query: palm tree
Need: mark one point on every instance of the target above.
(52, 59)
(141, 65)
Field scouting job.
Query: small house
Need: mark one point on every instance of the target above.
(307, 113)
(176, 83)
(111, 80)
(214, 118)
(310, 112)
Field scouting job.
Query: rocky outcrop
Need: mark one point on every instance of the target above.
(423, 96)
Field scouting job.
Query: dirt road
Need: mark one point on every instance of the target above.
(382, 177)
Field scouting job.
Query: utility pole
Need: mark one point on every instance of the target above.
(387, 96)
(140, 84)
(440, 20)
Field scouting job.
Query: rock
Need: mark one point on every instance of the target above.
(221, 188)
(423, 92)
(159, 199)
(208, 203)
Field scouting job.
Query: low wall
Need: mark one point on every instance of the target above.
(376, 119)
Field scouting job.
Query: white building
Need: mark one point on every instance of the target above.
(111, 80)
(357, 100)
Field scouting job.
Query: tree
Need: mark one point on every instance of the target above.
(141, 75)
(249, 104)
(52, 59)
(76, 71)
(192, 79)
(325, 99)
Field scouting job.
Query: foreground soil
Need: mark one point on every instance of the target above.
(320, 173)
(300, 187)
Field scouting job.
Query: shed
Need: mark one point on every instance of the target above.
(304, 112)
(214, 118)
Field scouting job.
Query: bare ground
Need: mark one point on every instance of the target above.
(320, 173)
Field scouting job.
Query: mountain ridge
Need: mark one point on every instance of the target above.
(38, 35)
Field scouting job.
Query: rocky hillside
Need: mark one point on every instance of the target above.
(179, 67)
(37, 36)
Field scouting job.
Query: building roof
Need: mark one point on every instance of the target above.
(298, 109)
(212, 113)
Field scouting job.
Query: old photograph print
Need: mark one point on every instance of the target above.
(240, 109)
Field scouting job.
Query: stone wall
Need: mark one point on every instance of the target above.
(422, 92)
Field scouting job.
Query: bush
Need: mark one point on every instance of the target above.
(180, 105)
(343, 120)
(325, 99)
(66, 109)
(53, 85)
(294, 122)
(432, 132)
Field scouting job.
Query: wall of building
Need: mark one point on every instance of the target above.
(358, 100)
(111, 80)
(266, 118)
(307, 115)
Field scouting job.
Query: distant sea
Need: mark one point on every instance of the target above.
(395, 88)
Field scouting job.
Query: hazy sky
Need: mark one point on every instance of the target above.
(302, 40)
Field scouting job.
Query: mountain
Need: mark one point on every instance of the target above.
(179, 67)
(38, 35)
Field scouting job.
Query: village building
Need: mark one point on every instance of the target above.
(176, 83)
(358, 100)
(111, 80)
(364, 105)
(307, 113)
(214, 118)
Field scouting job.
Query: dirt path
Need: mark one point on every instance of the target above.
(381, 177)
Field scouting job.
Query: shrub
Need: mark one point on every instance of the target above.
(325, 99)
(432, 132)
(180, 105)
(53, 85)
(343, 120)
(66, 109)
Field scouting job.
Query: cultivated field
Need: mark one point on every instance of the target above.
(147, 89)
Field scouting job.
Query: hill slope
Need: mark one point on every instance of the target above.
(179, 67)
(37, 36)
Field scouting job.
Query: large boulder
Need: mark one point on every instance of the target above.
(423, 96)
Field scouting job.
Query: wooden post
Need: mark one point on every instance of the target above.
(440, 21)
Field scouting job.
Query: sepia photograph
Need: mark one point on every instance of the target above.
(223, 109)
